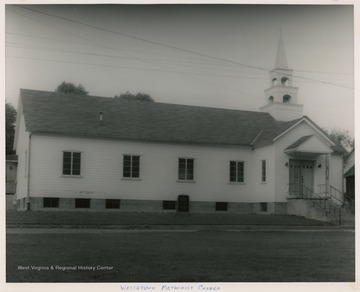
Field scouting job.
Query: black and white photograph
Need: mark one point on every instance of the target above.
(168, 146)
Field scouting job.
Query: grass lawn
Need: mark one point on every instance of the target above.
(131, 219)
(204, 256)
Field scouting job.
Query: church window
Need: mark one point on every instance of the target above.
(271, 99)
(284, 81)
(263, 170)
(186, 169)
(286, 98)
(71, 163)
(131, 166)
(236, 171)
(274, 81)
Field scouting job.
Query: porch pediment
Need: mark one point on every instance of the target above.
(309, 145)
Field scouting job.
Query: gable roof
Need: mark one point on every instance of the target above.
(78, 115)
(298, 142)
(308, 144)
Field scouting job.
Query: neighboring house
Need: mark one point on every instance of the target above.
(11, 167)
(88, 152)
(349, 175)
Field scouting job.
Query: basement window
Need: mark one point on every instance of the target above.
(82, 203)
(263, 207)
(51, 202)
(169, 205)
(112, 204)
(221, 206)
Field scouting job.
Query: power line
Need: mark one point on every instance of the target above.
(90, 41)
(181, 73)
(170, 46)
(157, 60)
(134, 68)
(141, 39)
(175, 61)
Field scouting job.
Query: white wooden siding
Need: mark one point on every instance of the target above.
(101, 171)
(265, 190)
(22, 150)
(336, 172)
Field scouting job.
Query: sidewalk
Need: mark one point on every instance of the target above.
(157, 221)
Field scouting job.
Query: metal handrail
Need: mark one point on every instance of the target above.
(345, 200)
(338, 196)
(323, 203)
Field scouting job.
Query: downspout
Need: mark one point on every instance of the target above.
(28, 176)
(342, 175)
(327, 156)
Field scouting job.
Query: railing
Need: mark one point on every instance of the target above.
(323, 190)
(345, 201)
(338, 197)
(324, 203)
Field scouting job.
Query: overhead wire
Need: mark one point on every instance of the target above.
(189, 74)
(177, 60)
(129, 67)
(172, 47)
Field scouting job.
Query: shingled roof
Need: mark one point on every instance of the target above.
(75, 115)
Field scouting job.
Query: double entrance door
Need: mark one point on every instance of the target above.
(301, 174)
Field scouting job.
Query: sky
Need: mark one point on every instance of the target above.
(203, 55)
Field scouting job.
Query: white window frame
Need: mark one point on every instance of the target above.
(72, 164)
(186, 169)
(237, 171)
(131, 177)
(263, 170)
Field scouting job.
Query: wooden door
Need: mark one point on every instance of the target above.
(301, 173)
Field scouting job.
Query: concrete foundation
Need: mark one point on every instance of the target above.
(241, 208)
(305, 208)
(68, 204)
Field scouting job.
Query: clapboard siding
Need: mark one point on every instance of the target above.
(265, 190)
(101, 171)
(22, 150)
(336, 172)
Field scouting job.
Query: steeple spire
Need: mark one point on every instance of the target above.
(281, 98)
(281, 62)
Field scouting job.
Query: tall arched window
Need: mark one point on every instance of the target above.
(286, 98)
(284, 81)
(271, 99)
(274, 81)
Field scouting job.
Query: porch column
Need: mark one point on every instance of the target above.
(327, 169)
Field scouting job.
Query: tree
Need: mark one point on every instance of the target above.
(68, 87)
(343, 138)
(138, 96)
(10, 113)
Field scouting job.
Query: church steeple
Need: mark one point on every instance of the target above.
(281, 96)
(281, 62)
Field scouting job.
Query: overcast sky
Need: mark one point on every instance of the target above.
(207, 55)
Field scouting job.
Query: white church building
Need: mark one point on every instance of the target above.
(98, 153)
